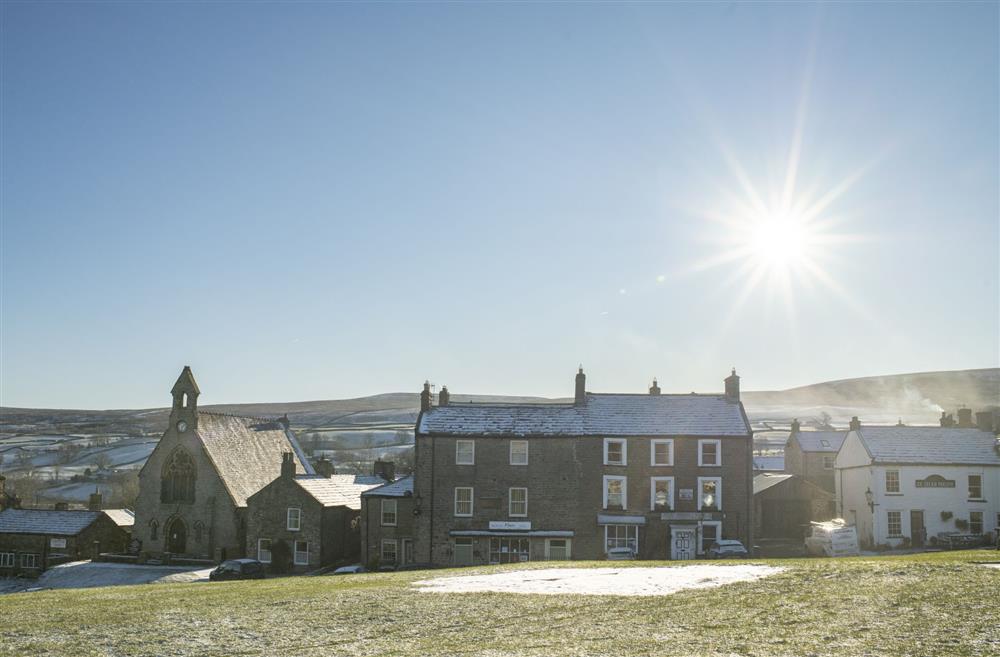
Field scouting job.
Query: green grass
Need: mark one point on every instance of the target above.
(939, 604)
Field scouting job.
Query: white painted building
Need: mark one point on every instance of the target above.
(903, 485)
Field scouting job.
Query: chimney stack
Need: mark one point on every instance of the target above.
(855, 423)
(95, 502)
(444, 397)
(947, 420)
(384, 469)
(580, 397)
(61, 506)
(984, 420)
(654, 389)
(324, 467)
(796, 427)
(425, 397)
(965, 418)
(283, 421)
(287, 465)
(733, 387)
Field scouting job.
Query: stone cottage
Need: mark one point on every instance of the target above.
(387, 525)
(32, 540)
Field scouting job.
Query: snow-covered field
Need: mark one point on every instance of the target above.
(601, 581)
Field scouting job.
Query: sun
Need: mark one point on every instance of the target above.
(778, 240)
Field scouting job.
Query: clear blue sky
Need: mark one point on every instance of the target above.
(312, 201)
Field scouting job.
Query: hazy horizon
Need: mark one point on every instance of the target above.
(326, 201)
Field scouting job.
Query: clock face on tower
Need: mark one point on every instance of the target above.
(182, 426)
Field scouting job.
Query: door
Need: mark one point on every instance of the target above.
(177, 537)
(917, 531)
(407, 551)
(463, 551)
(682, 542)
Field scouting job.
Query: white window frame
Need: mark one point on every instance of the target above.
(701, 535)
(469, 443)
(968, 480)
(395, 550)
(982, 523)
(383, 512)
(628, 529)
(652, 492)
(888, 524)
(548, 548)
(510, 502)
(669, 442)
(831, 460)
(261, 550)
(7, 559)
(718, 453)
(27, 557)
(624, 444)
(298, 519)
(472, 500)
(518, 442)
(624, 480)
(295, 550)
(899, 483)
(718, 492)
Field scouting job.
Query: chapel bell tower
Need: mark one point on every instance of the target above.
(184, 413)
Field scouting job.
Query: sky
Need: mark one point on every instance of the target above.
(318, 201)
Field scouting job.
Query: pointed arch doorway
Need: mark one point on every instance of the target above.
(177, 536)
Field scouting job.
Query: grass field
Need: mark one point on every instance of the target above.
(932, 604)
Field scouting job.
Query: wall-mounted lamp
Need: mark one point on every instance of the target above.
(870, 498)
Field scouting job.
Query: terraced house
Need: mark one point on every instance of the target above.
(662, 474)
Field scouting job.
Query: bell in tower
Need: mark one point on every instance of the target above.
(184, 413)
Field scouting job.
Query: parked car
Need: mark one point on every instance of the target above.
(238, 569)
(350, 570)
(727, 549)
(621, 554)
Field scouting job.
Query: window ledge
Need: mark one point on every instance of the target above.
(894, 494)
(978, 500)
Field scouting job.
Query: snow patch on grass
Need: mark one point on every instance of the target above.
(601, 581)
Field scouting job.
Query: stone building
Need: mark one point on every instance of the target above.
(299, 523)
(811, 455)
(194, 487)
(662, 474)
(32, 540)
(387, 525)
(785, 504)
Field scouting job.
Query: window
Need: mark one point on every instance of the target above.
(465, 452)
(29, 561)
(557, 549)
(828, 462)
(618, 536)
(464, 551)
(518, 502)
(199, 531)
(709, 452)
(154, 530)
(892, 481)
(975, 487)
(509, 550)
(177, 479)
(6, 559)
(661, 493)
(519, 452)
(389, 554)
(975, 522)
(615, 452)
(710, 493)
(615, 495)
(710, 533)
(301, 553)
(294, 518)
(463, 501)
(264, 550)
(895, 519)
(661, 452)
(388, 513)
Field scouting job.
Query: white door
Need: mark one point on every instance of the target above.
(407, 551)
(682, 543)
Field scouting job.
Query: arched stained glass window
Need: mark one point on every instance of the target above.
(177, 483)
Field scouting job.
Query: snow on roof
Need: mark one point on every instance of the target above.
(820, 441)
(339, 490)
(938, 445)
(121, 517)
(764, 481)
(600, 415)
(46, 521)
(769, 463)
(402, 487)
(247, 451)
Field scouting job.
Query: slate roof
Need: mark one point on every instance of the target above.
(937, 445)
(820, 441)
(247, 451)
(762, 482)
(46, 521)
(339, 490)
(402, 487)
(121, 517)
(601, 415)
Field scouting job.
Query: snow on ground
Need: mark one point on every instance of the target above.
(601, 581)
(992, 565)
(88, 574)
